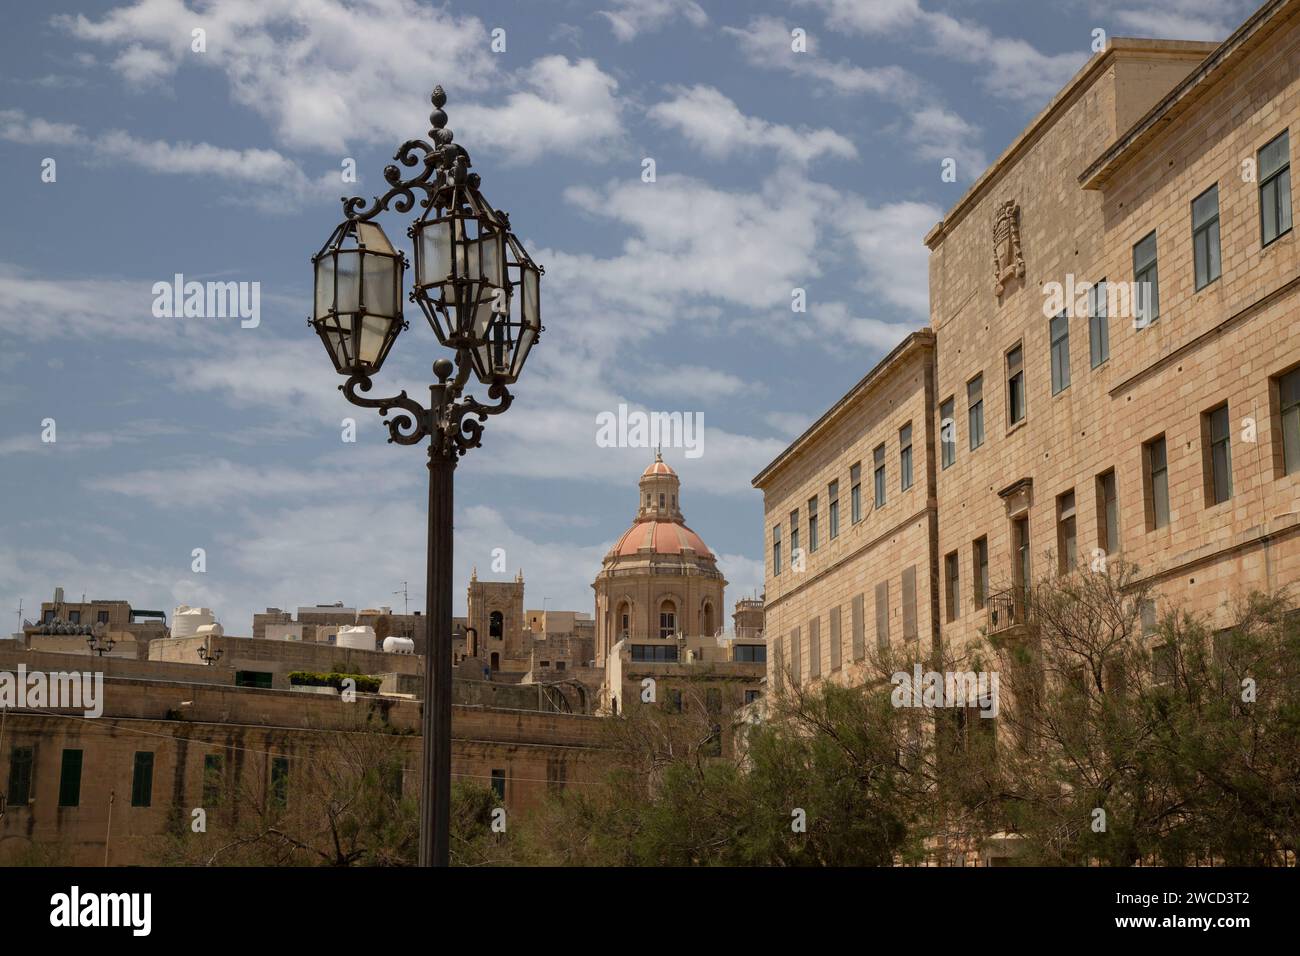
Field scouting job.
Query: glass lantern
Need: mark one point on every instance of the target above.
(358, 300)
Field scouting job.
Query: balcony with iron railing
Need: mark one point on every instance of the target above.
(1010, 608)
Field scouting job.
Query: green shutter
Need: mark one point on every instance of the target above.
(20, 776)
(142, 780)
(70, 779)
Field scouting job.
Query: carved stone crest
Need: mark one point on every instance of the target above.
(1008, 263)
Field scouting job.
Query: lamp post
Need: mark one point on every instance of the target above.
(479, 290)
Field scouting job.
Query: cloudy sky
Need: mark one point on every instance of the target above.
(775, 170)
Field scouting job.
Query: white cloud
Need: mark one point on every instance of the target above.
(867, 16)
(327, 73)
(570, 107)
(17, 127)
(713, 124)
(766, 43)
(287, 183)
(629, 18)
(940, 134)
(889, 247)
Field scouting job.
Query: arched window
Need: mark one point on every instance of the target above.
(707, 624)
(623, 621)
(496, 661)
(667, 619)
(495, 624)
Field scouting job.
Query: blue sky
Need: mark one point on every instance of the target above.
(775, 170)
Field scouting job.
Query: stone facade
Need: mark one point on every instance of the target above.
(182, 713)
(1142, 130)
(861, 574)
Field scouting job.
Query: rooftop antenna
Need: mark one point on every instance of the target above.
(406, 600)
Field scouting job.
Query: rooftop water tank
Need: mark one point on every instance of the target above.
(210, 630)
(358, 638)
(187, 620)
(399, 645)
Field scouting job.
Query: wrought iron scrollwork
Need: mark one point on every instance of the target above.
(443, 163)
(408, 428)
(453, 420)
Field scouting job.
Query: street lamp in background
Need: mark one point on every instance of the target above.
(479, 290)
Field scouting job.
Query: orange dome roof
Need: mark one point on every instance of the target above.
(658, 467)
(663, 537)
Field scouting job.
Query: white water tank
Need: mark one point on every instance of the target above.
(210, 630)
(358, 638)
(399, 645)
(187, 620)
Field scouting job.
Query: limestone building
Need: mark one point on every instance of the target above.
(1111, 369)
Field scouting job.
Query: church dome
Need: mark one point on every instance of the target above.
(658, 467)
(659, 528)
(660, 537)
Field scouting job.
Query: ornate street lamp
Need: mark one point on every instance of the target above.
(479, 289)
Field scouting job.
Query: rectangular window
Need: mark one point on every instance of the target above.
(1288, 391)
(1015, 385)
(1146, 284)
(952, 586)
(1060, 334)
(142, 779)
(1067, 554)
(833, 496)
(1098, 324)
(1107, 513)
(812, 525)
(1156, 472)
(776, 550)
(1022, 570)
(673, 701)
(713, 700)
(980, 562)
(750, 653)
(905, 457)
(796, 655)
(909, 603)
(499, 783)
(658, 653)
(21, 760)
(279, 782)
(878, 474)
(70, 779)
(882, 614)
(1205, 237)
(947, 434)
(815, 647)
(1216, 430)
(975, 411)
(751, 696)
(859, 627)
(213, 779)
(1275, 188)
(855, 494)
(836, 638)
(795, 556)
(74, 617)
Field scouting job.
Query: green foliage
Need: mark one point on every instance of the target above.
(364, 683)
